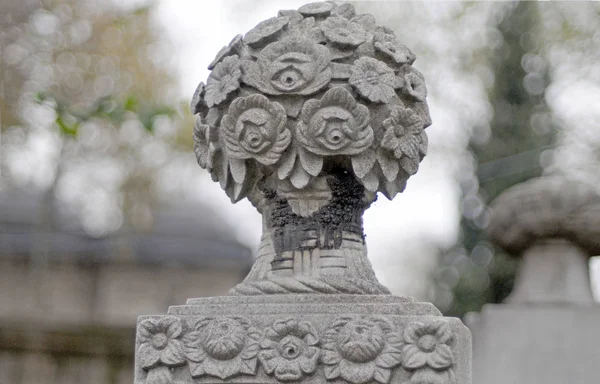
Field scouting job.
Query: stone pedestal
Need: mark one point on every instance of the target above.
(547, 331)
(309, 115)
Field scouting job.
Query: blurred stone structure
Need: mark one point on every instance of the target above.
(308, 115)
(68, 302)
(547, 331)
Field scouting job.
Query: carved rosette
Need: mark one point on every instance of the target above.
(309, 115)
(356, 349)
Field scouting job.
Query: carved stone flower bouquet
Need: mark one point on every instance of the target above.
(309, 115)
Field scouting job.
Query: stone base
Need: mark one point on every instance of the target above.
(311, 338)
(543, 343)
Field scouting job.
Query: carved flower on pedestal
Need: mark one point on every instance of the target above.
(254, 128)
(374, 80)
(295, 66)
(339, 30)
(223, 347)
(427, 345)
(334, 125)
(289, 350)
(360, 350)
(223, 80)
(405, 140)
(159, 342)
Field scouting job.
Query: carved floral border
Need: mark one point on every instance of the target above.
(356, 349)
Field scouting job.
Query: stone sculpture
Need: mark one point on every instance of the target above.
(308, 116)
(553, 223)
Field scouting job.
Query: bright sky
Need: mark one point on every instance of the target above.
(401, 234)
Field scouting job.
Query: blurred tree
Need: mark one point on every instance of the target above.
(505, 153)
(87, 107)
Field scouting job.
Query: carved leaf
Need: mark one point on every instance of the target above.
(238, 170)
(196, 369)
(363, 163)
(370, 181)
(193, 347)
(389, 358)
(159, 375)
(248, 367)
(331, 372)
(287, 164)
(389, 166)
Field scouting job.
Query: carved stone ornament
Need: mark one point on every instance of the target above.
(308, 115)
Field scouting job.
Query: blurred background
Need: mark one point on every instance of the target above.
(105, 215)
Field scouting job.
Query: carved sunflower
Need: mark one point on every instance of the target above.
(223, 347)
(360, 350)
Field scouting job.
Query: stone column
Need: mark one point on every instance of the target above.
(547, 331)
(309, 115)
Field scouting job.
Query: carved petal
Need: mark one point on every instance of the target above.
(330, 357)
(299, 178)
(148, 356)
(391, 189)
(410, 165)
(312, 163)
(413, 357)
(159, 375)
(332, 372)
(389, 358)
(173, 354)
(238, 169)
(287, 164)
(382, 375)
(363, 163)
(370, 181)
(442, 357)
(389, 166)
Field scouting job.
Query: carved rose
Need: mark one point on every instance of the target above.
(390, 47)
(160, 342)
(427, 345)
(288, 349)
(295, 65)
(223, 80)
(334, 125)
(341, 31)
(361, 350)
(374, 80)
(405, 138)
(234, 47)
(266, 31)
(255, 129)
(223, 347)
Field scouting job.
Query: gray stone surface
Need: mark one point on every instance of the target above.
(547, 331)
(309, 115)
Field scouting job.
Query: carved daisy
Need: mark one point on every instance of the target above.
(374, 80)
(159, 342)
(427, 345)
(339, 30)
(289, 350)
(223, 80)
